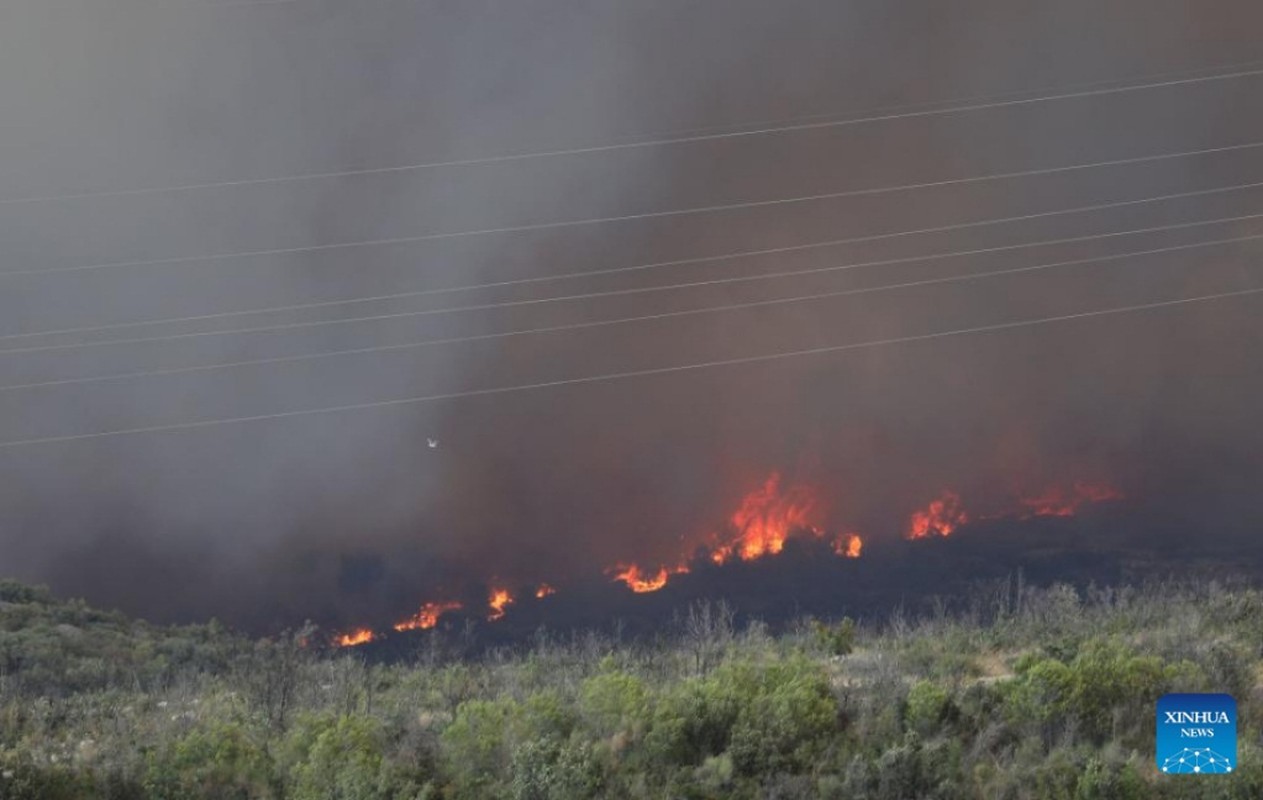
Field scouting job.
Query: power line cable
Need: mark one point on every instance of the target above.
(588, 295)
(658, 142)
(650, 214)
(631, 268)
(614, 376)
(641, 318)
(928, 105)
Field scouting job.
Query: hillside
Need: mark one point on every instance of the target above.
(1030, 694)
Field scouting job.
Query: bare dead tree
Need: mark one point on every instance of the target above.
(707, 631)
(273, 672)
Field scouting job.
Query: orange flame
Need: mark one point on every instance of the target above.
(640, 581)
(762, 523)
(759, 528)
(1057, 501)
(428, 616)
(498, 600)
(355, 638)
(944, 515)
(940, 518)
(848, 545)
(766, 518)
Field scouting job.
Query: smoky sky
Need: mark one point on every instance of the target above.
(351, 516)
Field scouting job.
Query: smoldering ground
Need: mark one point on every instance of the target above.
(351, 517)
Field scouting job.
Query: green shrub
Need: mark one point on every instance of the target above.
(786, 720)
(343, 758)
(766, 718)
(22, 779)
(478, 746)
(221, 762)
(1106, 690)
(475, 746)
(547, 769)
(97, 707)
(927, 707)
(909, 769)
(1107, 779)
(694, 719)
(835, 640)
(612, 702)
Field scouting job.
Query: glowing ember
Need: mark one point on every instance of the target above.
(543, 591)
(498, 600)
(848, 545)
(427, 617)
(940, 518)
(641, 582)
(354, 638)
(1057, 501)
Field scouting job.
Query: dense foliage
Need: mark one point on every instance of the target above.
(1022, 694)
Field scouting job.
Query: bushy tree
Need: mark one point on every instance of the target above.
(1106, 690)
(480, 742)
(1110, 779)
(343, 758)
(785, 720)
(837, 639)
(220, 762)
(927, 707)
(475, 746)
(549, 769)
(613, 702)
(97, 707)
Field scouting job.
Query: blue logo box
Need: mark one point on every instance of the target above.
(1197, 734)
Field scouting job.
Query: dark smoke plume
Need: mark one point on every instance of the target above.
(352, 518)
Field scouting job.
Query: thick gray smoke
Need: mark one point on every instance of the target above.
(352, 516)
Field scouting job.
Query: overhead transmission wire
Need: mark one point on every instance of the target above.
(594, 273)
(962, 107)
(931, 105)
(702, 365)
(960, 278)
(629, 374)
(647, 215)
(942, 106)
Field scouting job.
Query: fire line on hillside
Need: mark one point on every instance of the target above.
(766, 518)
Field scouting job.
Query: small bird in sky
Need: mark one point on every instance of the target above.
(433, 443)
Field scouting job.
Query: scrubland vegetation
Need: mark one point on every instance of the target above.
(1013, 693)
